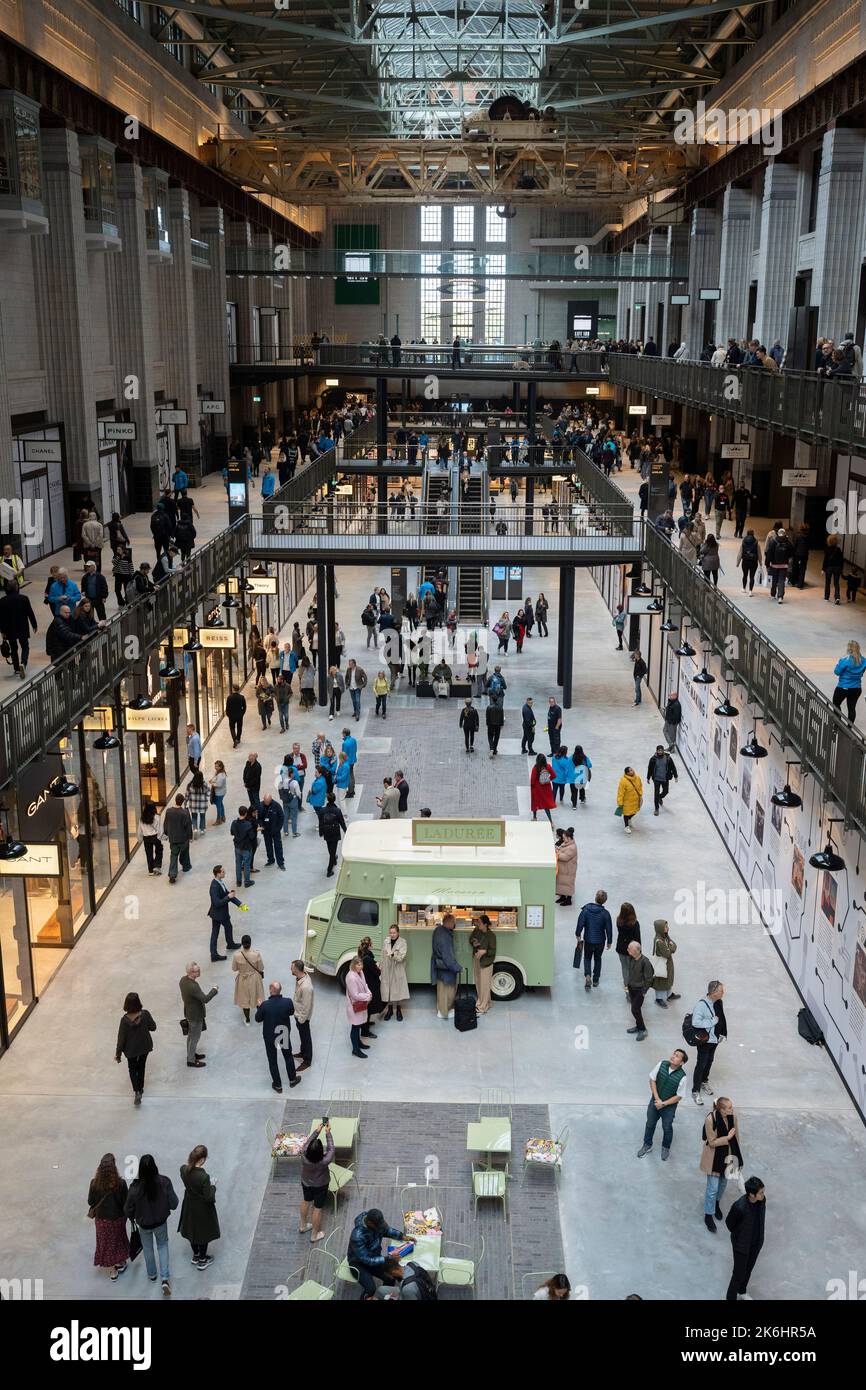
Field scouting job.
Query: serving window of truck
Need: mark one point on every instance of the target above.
(422, 903)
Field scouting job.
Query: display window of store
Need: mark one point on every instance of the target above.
(17, 993)
(105, 809)
(115, 463)
(58, 902)
(166, 447)
(39, 456)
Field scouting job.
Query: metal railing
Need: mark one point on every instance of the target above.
(362, 264)
(786, 700)
(813, 408)
(354, 532)
(471, 357)
(200, 253)
(49, 703)
(343, 516)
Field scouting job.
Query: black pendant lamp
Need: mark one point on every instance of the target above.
(725, 710)
(827, 858)
(168, 672)
(106, 740)
(63, 786)
(10, 848)
(140, 702)
(787, 799)
(752, 748)
(704, 677)
(685, 649)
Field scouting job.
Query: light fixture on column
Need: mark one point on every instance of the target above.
(704, 677)
(655, 606)
(169, 672)
(140, 702)
(685, 648)
(641, 590)
(10, 848)
(106, 740)
(230, 602)
(63, 786)
(786, 798)
(827, 858)
(193, 645)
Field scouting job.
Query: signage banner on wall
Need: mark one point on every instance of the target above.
(637, 410)
(261, 584)
(661, 419)
(173, 417)
(212, 407)
(43, 451)
(100, 720)
(140, 720)
(39, 859)
(736, 451)
(799, 477)
(120, 429)
(225, 638)
(179, 636)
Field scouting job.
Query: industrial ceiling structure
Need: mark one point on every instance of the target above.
(402, 100)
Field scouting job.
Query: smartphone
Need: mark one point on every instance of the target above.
(325, 1119)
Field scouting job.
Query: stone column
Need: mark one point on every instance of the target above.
(703, 274)
(263, 249)
(10, 526)
(179, 329)
(677, 247)
(637, 293)
(734, 259)
(652, 290)
(836, 279)
(240, 290)
(211, 324)
(134, 330)
(778, 248)
(623, 295)
(63, 300)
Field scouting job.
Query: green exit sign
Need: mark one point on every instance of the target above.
(458, 832)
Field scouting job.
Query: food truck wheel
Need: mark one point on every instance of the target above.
(506, 982)
(342, 973)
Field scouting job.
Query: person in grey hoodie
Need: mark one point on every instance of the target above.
(594, 928)
(660, 770)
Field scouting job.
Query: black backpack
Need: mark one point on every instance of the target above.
(421, 1279)
(808, 1028)
(690, 1033)
(330, 820)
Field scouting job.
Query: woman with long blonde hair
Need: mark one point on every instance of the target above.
(849, 674)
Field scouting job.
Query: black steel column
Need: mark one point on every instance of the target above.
(566, 619)
(530, 503)
(531, 402)
(381, 419)
(382, 504)
(322, 624)
(331, 594)
(515, 397)
(560, 626)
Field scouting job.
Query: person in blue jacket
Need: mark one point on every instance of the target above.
(582, 771)
(342, 777)
(63, 590)
(269, 484)
(317, 795)
(849, 672)
(564, 774)
(350, 748)
(180, 481)
(594, 928)
(328, 764)
(365, 1249)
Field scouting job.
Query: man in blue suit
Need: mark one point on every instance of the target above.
(218, 912)
(275, 1015)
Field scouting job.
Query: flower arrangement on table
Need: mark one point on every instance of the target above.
(288, 1145)
(543, 1151)
(422, 1223)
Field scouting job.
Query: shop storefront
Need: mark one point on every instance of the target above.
(39, 457)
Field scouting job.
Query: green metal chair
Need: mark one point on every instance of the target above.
(490, 1182)
(459, 1270)
(344, 1107)
(307, 1290)
(334, 1248)
(549, 1153)
(534, 1280)
(495, 1101)
(339, 1178)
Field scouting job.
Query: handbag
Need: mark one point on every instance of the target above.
(360, 1006)
(213, 796)
(618, 811)
(134, 1242)
(578, 955)
(102, 817)
(660, 966)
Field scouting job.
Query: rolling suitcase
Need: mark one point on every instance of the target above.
(465, 1015)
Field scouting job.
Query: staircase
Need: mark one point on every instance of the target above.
(470, 579)
(436, 486)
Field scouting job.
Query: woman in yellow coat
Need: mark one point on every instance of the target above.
(629, 797)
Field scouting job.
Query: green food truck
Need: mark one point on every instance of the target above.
(413, 872)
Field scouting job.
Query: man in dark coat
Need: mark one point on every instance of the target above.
(660, 769)
(274, 1014)
(673, 718)
(595, 930)
(745, 1221)
(95, 587)
(236, 708)
(271, 822)
(218, 912)
(495, 717)
(331, 824)
(527, 715)
(16, 620)
(469, 723)
(161, 528)
(61, 636)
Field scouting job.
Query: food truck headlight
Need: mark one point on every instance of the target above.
(311, 931)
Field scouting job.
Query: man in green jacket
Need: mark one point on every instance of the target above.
(668, 1086)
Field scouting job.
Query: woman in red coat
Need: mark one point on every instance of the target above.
(541, 788)
(518, 627)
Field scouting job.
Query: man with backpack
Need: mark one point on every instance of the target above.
(704, 1028)
(332, 824)
(409, 1281)
(368, 620)
(469, 723)
(777, 557)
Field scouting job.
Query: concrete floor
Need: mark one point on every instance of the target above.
(63, 1101)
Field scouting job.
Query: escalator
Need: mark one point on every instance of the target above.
(436, 488)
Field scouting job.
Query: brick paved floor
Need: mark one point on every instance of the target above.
(397, 1140)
